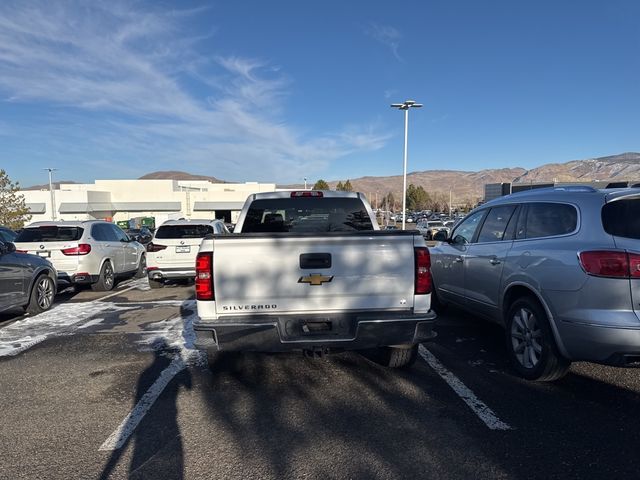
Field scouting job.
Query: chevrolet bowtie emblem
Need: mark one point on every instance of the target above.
(315, 279)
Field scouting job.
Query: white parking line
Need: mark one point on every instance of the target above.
(91, 323)
(117, 292)
(131, 421)
(475, 404)
(176, 334)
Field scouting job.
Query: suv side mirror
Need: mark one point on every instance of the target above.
(7, 247)
(440, 236)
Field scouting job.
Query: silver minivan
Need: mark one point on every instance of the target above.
(559, 268)
(92, 252)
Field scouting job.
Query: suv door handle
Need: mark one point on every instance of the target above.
(458, 260)
(494, 261)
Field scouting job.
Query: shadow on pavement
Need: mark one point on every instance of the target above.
(286, 416)
(157, 443)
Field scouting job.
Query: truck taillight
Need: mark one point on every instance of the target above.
(423, 270)
(81, 249)
(306, 193)
(608, 263)
(204, 276)
(154, 247)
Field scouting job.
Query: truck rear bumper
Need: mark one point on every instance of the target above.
(282, 334)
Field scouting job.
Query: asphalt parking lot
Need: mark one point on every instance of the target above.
(108, 386)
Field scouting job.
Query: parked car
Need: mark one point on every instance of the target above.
(141, 235)
(92, 252)
(311, 271)
(172, 252)
(430, 227)
(26, 281)
(7, 235)
(559, 268)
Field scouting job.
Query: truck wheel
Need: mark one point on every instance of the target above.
(436, 303)
(530, 344)
(156, 283)
(107, 279)
(42, 294)
(399, 357)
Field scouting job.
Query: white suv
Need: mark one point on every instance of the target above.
(92, 252)
(172, 252)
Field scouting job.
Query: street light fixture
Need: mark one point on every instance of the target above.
(405, 106)
(53, 198)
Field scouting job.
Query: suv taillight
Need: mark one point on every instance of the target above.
(81, 249)
(204, 276)
(607, 263)
(423, 271)
(154, 247)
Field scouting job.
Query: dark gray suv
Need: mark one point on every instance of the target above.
(559, 268)
(26, 281)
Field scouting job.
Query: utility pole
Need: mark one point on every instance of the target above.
(405, 106)
(51, 192)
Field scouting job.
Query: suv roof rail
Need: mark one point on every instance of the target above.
(563, 188)
(576, 188)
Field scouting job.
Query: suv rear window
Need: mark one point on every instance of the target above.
(51, 233)
(184, 231)
(621, 218)
(312, 214)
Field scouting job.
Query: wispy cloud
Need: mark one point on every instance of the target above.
(386, 35)
(139, 85)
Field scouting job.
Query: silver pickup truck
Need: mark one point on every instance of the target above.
(311, 271)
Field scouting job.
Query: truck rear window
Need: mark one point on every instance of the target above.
(184, 231)
(51, 233)
(621, 218)
(301, 214)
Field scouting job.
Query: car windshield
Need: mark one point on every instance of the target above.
(7, 235)
(313, 214)
(50, 233)
(184, 231)
(436, 224)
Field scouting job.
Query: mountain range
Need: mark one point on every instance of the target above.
(468, 187)
(465, 186)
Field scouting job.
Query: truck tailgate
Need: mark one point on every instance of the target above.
(277, 274)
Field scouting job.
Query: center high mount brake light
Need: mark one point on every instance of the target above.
(306, 193)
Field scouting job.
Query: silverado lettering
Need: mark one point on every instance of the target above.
(228, 308)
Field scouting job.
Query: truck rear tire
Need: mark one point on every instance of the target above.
(399, 357)
(156, 283)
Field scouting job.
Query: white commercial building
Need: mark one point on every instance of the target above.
(117, 200)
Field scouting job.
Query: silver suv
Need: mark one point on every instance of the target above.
(559, 268)
(91, 252)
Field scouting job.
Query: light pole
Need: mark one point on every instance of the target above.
(305, 183)
(405, 106)
(53, 198)
(449, 202)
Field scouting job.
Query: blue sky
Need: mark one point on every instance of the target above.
(276, 91)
